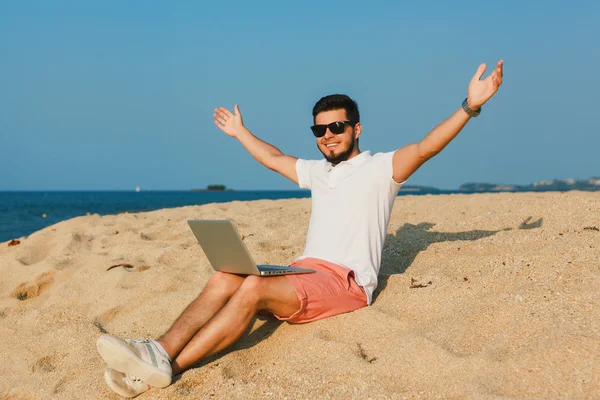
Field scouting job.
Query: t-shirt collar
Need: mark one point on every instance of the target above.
(355, 161)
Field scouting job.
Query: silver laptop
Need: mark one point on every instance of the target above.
(227, 252)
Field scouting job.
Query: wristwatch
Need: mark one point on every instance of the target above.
(468, 110)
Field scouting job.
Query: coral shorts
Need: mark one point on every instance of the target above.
(329, 291)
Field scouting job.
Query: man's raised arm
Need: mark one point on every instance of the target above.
(265, 153)
(409, 158)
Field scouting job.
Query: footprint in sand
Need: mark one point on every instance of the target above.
(28, 290)
(45, 364)
(35, 253)
(64, 263)
(227, 373)
(79, 242)
(30, 255)
(105, 318)
(60, 386)
(327, 336)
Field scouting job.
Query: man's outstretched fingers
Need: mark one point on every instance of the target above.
(223, 113)
(226, 112)
(500, 70)
(219, 120)
(480, 70)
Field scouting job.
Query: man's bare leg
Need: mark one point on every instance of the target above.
(217, 292)
(273, 294)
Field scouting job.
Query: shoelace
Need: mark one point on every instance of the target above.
(143, 341)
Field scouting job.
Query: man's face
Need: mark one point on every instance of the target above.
(341, 147)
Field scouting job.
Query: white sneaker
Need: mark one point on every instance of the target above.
(123, 384)
(144, 359)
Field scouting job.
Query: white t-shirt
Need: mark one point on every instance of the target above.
(351, 207)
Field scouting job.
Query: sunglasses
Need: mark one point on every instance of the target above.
(336, 128)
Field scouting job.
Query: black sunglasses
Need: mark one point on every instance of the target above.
(336, 128)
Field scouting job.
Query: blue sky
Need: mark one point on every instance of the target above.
(113, 95)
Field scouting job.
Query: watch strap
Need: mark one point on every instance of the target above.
(468, 110)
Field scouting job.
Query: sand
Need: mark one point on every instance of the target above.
(504, 303)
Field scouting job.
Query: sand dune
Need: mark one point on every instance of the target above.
(481, 296)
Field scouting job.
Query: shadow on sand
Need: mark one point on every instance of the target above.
(400, 250)
(246, 341)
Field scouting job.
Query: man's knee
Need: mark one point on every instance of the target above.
(268, 293)
(252, 289)
(224, 282)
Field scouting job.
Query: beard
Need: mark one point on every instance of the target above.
(343, 156)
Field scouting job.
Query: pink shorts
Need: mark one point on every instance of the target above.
(329, 291)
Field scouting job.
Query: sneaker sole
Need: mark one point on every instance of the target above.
(114, 387)
(120, 357)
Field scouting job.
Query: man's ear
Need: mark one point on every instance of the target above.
(357, 130)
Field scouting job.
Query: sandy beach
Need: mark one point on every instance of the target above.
(486, 296)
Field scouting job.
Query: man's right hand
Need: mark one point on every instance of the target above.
(229, 123)
(265, 153)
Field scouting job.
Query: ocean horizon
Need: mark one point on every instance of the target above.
(25, 212)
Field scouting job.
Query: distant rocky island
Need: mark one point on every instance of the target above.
(213, 188)
(590, 184)
(556, 185)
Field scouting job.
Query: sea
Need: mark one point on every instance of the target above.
(22, 213)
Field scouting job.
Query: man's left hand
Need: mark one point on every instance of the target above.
(480, 90)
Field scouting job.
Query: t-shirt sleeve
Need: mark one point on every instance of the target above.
(388, 169)
(303, 169)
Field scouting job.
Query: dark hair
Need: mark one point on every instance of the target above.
(337, 102)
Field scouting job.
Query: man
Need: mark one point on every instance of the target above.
(352, 197)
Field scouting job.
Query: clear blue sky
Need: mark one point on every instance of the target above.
(114, 95)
